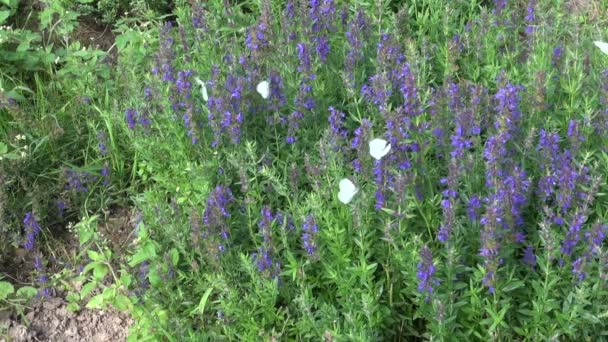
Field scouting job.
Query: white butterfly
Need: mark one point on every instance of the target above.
(263, 88)
(347, 191)
(603, 46)
(203, 89)
(378, 148)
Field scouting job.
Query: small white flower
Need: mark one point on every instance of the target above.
(263, 89)
(378, 148)
(347, 191)
(603, 46)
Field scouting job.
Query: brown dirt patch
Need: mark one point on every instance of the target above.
(49, 320)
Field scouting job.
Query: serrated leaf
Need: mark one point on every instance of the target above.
(27, 292)
(6, 289)
(96, 302)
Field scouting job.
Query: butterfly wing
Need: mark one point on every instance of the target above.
(347, 191)
(603, 46)
(378, 148)
(263, 89)
(203, 89)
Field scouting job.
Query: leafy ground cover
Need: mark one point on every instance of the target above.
(310, 170)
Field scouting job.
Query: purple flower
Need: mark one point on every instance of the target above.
(529, 256)
(32, 229)
(448, 221)
(131, 117)
(256, 38)
(595, 237)
(426, 271)
(336, 125)
(321, 15)
(277, 97)
(304, 58)
(322, 48)
(356, 36)
(293, 125)
(573, 234)
(473, 207)
(309, 235)
(78, 181)
(265, 223)
(215, 218)
(60, 208)
(101, 143)
(105, 173)
(530, 17)
(359, 142)
(578, 268)
(492, 223)
(198, 17)
(263, 256)
(557, 55)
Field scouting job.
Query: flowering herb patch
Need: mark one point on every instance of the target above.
(363, 170)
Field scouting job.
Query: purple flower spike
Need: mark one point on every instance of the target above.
(426, 271)
(32, 229)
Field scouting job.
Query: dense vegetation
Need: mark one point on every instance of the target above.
(310, 170)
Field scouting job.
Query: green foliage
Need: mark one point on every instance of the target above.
(112, 11)
(204, 261)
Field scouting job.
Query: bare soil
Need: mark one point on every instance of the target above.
(49, 320)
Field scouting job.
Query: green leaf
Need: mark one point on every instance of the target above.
(200, 309)
(23, 46)
(86, 289)
(72, 297)
(100, 271)
(174, 256)
(147, 252)
(4, 15)
(3, 148)
(73, 307)
(513, 286)
(108, 294)
(122, 303)
(86, 229)
(27, 292)
(126, 280)
(155, 279)
(94, 255)
(96, 302)
(6, 289)
(90, 267)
